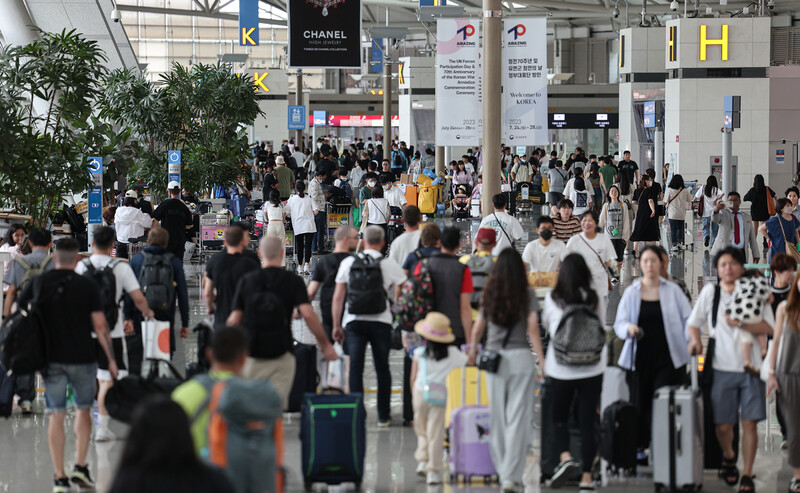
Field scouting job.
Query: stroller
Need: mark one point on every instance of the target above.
(461, 202)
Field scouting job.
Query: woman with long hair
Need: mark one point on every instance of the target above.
(645, 229)
(574, 287)
(461, 176)
(159, 455)
(678, 199)
(300, 209)
(708, 195)
(509, 312)
(599, 254)
(595, 181)
(760, 196)
(12, 243)
(376, 212)
(784, 375)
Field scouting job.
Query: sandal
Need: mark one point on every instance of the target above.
(746, 485)
(729, 472)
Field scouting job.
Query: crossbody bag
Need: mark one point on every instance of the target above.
(607, 268)
(489, 359)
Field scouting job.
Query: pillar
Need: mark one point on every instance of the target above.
(387, 103)
(298, 100)
(492, 103)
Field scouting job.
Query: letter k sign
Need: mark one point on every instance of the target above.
(246, 36)
(258, 81)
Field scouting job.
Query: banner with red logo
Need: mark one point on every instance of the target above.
(524, 81)
(459, 112)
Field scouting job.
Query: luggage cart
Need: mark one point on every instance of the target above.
(212, 233)
(338, 215)
(291, 260)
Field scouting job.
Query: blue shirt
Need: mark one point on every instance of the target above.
(776, 235)
(675, 310)
(411, 260)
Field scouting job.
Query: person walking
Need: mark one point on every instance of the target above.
(557, 177)
(406, 243)
(176, 218)
(129, 223)
(544, 253)
(784, 377)
(300, 208)
(480, 263)
(285, 178)
(507, 228)
(734, 228)
(651, 318)
(318, 197)
(762, 201)
(678, 199)
(581, 196)
(376, 212)
(323, 276)
(708, 195)
(781, 229)
(598, 253)
(573, 288)
(275, 216)
(615, 221)
(646, 229)
(510, 315)
(566, 224)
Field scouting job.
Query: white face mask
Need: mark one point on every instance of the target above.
(371, 183)
(387, 187)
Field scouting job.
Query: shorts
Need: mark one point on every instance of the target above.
(81, 376)
(732, 391)
(120, 355)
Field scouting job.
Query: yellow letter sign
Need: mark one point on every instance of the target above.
(258, 81)
(704, 42)
(246, 36)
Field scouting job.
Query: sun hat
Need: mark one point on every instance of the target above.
(435, 327)
(280, 160)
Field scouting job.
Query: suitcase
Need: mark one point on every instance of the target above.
(334, 439)
(456, 385)
(678, 436)
(411, 194)
(305, 376)
(620, 428)
(470, 453)
(511, 200)
(427, 199)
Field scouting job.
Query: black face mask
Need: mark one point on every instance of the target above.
(546, 234)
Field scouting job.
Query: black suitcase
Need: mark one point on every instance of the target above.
(305, 376)
(511, 200)
(620, 429)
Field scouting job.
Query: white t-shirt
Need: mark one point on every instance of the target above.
(393, 275)
(500, 222)
(404, 245)
(709, 202)
(728, 347)
(551, 316)
(378, 210)
(542, 258)
(438, 370)
(582, 201)
(126, 281)
(301, 210)
(604, 248)
(395, 196)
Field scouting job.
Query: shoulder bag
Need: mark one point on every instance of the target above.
(770, 202)
(789, 247)
(434, 393)
(607, 268)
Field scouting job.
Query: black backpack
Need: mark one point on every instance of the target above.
(23, 338)
(398, 160)
(365, 293)
(107, 284)
(267, 321)
(74, 219)
(157, 282)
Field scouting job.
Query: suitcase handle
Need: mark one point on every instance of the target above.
(332, 390)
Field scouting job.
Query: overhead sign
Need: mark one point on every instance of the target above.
(297, 117)
(320, 118)
(324, 33)
(432, 3)
(95, 214)
(459, 111)
(705, 42)
(672, 43)
(351, 120)
(583, 120)
(376, 57)
(525, 80)
(649, 114)
(174, 165)
(779, 157)
(248, 22)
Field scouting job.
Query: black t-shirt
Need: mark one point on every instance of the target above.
(290, 290)
(174, 217)
(225, 270)
(630, 168)
(325, 274)
(67, 303)
(145, 206)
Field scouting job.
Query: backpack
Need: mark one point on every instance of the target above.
(365, 293)
(580, 337)
(23, 338)
(107, 283)
(31, 271)
(480, 267)
(398, 160)
(267, 322)
(157, 282)
(75, 220)
(416, 297)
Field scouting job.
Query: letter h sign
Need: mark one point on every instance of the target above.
(722, 42)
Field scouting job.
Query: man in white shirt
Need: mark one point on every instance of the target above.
(734, 393)
(506, 226)
(544, 253)
(130, 222)
(125, 282)
(406, 243)
(366, 326)
(392, 193)
(468, 165)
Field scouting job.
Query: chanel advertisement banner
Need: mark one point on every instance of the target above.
(324, 33)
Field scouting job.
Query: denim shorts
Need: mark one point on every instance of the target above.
(82, 378)
(732, 390)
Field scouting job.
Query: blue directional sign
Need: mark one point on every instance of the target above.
(174, 165)
(297, 117)
(95, 165)
(649, 114)
(248, 22)
(174, 157)
(376, 57)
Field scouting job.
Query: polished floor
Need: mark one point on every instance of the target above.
(25, 462)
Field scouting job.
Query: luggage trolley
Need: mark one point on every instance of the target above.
(212, 233)
(338, 215)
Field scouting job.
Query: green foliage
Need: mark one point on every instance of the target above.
(201, 111)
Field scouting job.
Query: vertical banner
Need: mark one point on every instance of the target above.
(248, 22)
(376, 57)
(459, 111)
(96, 190)
(297, 117)
(174, 165)
(525, 81)
(324, 33)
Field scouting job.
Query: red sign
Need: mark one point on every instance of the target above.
(356, 121)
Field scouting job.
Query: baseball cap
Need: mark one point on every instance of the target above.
(487, 236)
(173, 185)
(131, 194)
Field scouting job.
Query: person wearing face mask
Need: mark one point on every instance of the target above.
(780, 229)
(544, 253)
(395, 196)
(370, 181)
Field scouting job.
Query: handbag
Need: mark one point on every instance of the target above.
(770, 203)
(489, 359)
(434, 393)
(791, 248)
(609, 275)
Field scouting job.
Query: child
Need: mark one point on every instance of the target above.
(429, 369)
(751, 291)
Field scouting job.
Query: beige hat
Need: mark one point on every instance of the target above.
(279, 160)
(435, 327)
(131, 194)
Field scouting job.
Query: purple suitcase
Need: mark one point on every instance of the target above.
(470, 454)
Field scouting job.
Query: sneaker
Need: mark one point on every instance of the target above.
(706, 241)
(61, 485)
(433, 478)
(509, 487)
(80, 476)
(26, 407)
(586, 486)
(784, 444)
(564, 471)
(306, 270)
(103, 434)
(422, 468)
(385, 423)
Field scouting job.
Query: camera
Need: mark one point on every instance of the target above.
(674, 5)
(771, 4)
(615, 12)
(115, 15)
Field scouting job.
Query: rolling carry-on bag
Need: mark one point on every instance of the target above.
(462, 387)
(620, 428)
(678, 436)
(470, 454)
(334, 438)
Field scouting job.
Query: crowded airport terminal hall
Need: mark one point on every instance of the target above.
(430, 246)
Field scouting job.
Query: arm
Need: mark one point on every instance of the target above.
(780, 320)
(695, 344)
(337, 310)
(141, 303)
(466, 316)
(315, 326)
(235, 318)
(603, 216)
(104, 338)
(762, 229)
(652, 207)
(477, 332)
(536, 341)
(8, 302)
(413, 376)
(623, 322)
(208, 294)
(313, 287)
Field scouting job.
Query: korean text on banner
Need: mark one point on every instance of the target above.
(525, 80)
(325, 33)
(248, 22)
(459, 111)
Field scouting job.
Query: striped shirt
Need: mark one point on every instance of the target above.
(564, 230)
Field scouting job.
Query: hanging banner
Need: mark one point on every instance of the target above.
(248, 22)
(459, 111)
(525, 81)
(324, 33)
